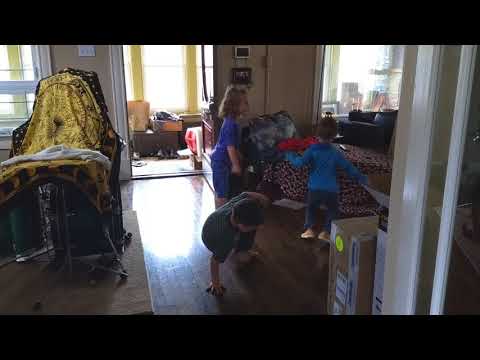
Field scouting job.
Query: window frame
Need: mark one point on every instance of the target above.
(330, 77)
(192, 78)
(42, 67)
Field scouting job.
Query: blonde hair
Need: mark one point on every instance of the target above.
(230, 105)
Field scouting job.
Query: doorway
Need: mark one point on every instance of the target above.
(166, 87)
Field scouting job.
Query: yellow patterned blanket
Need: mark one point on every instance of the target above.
(66, 111)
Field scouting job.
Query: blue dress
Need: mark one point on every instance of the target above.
(221, 164)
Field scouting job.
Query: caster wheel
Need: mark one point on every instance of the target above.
(129, 236)
(128, 241)
(37, 306)
(113, 263)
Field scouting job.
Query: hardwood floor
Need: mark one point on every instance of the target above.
(155, 167)
(290, 278)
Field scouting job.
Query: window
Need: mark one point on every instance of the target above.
(362, 77)
(164, 75)
(169, 77)
(18, 81)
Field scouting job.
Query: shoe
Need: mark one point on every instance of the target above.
(308, 234)
(168, 153)
(325, 236)
(161, 154)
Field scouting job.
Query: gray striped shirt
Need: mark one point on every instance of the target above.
(218, 233)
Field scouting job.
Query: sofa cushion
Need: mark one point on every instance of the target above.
(387, 121)
(360, 116)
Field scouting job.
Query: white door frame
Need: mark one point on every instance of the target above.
(454, 169)
(120, 105)
(406, 216)
(318, 82)
(44, 60)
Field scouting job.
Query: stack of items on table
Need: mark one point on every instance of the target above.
(155, 135)
(166, 121)
(357, 259)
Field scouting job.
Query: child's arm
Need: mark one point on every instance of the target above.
(351, 170)
(235, 159)
(299, 161)
(215, 287)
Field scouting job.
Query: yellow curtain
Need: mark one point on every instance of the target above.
(137, 71)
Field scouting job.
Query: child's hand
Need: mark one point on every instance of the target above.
(367, 182)
(236, 170)
(216, 290)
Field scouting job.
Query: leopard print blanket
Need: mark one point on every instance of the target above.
(354, 200)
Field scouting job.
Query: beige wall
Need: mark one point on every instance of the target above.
(291, 76)
(286, 84)
(225, 62)
(67, 56)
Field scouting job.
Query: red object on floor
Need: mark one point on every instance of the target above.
(191, 140)
(293, 144)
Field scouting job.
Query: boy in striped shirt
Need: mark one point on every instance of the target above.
(232, 227)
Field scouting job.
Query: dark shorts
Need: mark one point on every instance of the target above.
(225, 184)
(221, 180)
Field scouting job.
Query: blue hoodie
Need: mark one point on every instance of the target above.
(324, 160)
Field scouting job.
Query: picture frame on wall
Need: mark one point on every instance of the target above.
(242, 76)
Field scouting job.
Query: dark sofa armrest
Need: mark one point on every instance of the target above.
(361, 133)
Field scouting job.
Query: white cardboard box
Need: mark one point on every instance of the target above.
(382, 197)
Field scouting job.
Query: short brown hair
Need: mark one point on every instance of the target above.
(327, 128)
(230, 105)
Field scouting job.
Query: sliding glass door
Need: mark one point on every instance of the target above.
(456, 285)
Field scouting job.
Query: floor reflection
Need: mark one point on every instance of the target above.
(169, 214)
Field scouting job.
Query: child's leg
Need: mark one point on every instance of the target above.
(310, 211)
(243, 249)
(221, 177)
(331, 201)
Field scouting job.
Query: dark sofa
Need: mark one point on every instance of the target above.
(368, 129)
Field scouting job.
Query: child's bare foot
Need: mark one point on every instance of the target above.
(308, 234)
(325, 236)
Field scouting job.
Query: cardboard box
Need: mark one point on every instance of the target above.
(380, 190)
(159, 125)
(138, 113)
(352, 266)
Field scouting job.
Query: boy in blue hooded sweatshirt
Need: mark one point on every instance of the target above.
(323, 159)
